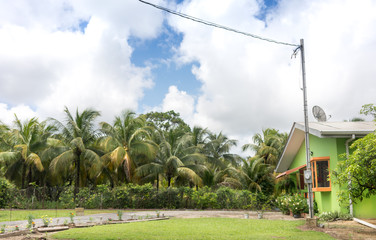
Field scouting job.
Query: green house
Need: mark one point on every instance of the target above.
(327, 141)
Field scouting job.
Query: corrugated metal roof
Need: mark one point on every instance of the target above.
(321, 130)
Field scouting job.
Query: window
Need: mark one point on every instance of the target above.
(320, 174)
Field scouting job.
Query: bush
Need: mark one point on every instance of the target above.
(334, 216)
(297, 204)
(122, 197)
(283, 203)
(226, 198)
(5, 196)
(203, 199)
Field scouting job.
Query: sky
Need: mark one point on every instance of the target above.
(115, 55)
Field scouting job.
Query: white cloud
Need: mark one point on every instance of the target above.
(249, 84)
(180, 102)
(46, 62)
(23, 112)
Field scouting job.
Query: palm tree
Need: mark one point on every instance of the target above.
(268, 146)
(72, 143)
(26, 142)
(5, 144)
(175, 160)
(126, 145)
(218, 153)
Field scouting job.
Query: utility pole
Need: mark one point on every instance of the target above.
(308, 152)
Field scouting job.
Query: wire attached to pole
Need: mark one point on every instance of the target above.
(217, 25)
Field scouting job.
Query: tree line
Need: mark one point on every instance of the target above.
(156, 147)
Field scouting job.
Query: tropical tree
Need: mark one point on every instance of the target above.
(369, 109)
(175, 160)
(217, 150)
(126, 144)
(73, 144)
(358, 170)
(254, 175)
(27, 143)
(5, 144)
(268, 146)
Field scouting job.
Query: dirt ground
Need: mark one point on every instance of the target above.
(345, 230)
(338, 229)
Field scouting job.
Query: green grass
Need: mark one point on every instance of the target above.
(197, 228)
(6, 215)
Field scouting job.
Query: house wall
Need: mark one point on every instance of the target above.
(328, 201)
(322, 147)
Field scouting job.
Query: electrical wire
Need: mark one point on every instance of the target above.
(217, 25)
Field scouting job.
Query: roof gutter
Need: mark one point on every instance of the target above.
(347, 156)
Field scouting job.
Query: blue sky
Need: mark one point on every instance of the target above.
(159, 53)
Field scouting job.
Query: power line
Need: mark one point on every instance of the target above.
(217, 25)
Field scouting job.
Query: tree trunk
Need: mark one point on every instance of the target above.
(23, 176)
(77, 183)
(157, 182)
(169, 181)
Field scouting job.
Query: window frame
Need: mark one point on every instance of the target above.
(314, 174)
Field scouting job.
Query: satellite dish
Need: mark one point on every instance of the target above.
(319, 114)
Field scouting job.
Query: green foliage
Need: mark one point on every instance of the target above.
(5, 195)
(297, 204)
(359, 169)
(204, 199)
(334, 216)
(226, 198)
(369, 109)
(46, 220)
(30, 221)
(283, 203)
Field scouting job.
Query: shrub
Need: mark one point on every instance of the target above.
(5, 196)
(243, 199)
(204, 199)
(122, 197)
(168, 198)
(283, 204)
(66, 198)
(297, 204)
(333, 216)
(226, 198)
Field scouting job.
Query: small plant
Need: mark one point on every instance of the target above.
(16, 228)
(71, 216)
(282, 203)
(158, 214)
(65, 222)
(297, 204)
(120, 215)
(333, 216)
(110, 219)
(2, 229)
(147, 216)
(46, 221)
(91, 219)
(30, 221)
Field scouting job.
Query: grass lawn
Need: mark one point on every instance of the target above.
(196, 228)
(22, 214)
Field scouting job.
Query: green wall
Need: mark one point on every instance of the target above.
(328, 201)
(322, 147)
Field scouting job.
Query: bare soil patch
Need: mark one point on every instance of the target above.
(345, 230)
